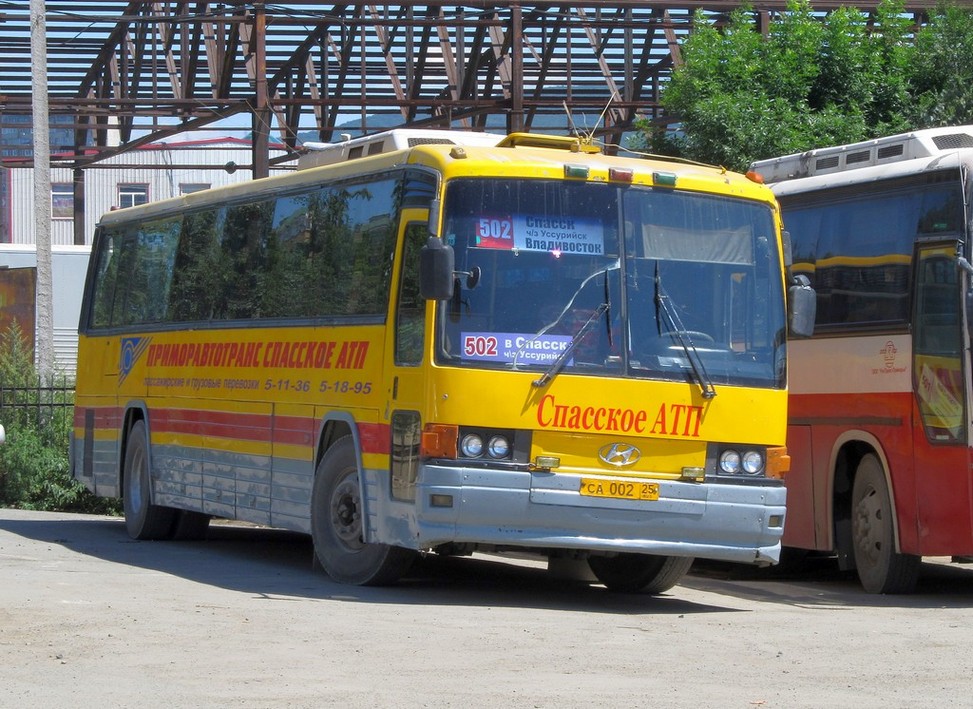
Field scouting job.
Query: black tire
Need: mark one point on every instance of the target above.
(337, 525)
(880, 567)
(190, 526)
(143, 520)
(639, 573)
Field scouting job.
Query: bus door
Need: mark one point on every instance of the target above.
(942, 472)
(406, 361)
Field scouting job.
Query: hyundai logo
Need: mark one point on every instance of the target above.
(620, 455)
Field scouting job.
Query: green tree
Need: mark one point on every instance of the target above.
(34, 470)
(942, 71)
(812, 81)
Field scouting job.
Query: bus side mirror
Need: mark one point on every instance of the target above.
(436, 270)
(802, 307)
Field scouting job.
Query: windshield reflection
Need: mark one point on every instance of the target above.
(569, 283)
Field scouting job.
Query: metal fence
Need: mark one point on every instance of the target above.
(31, 400)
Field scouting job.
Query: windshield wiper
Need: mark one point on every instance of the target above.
(673, 321)
(570, 304)
(558, 364)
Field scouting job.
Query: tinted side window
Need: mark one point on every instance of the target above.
(107, 255)
(351, 243)
(197, 277)
(857, 248)
(242, 268)
(157, 243)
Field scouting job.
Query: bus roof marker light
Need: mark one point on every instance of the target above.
(619, 174)
(664, 179)
(576, 171)
(457, 153)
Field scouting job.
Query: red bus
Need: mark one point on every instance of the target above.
(878, 423)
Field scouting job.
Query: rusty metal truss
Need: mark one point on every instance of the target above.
(123, 74)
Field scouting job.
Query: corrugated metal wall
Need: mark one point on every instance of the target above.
(69, 262)
(102, 182)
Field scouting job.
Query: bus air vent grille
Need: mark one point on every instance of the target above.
(429, 141)
(860, 156)
(952, 141)
(890, 151)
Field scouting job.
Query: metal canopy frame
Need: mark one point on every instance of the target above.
(123, 74)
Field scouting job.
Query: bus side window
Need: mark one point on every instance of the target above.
(410, 314)
(244, 245)
(103, 298)
(195, 279)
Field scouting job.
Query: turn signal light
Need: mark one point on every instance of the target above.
(438, 441)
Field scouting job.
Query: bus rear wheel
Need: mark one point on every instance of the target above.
(143, 520)
(639, 573)
(337, 527)
(881, 569)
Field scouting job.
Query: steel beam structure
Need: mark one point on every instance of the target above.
(123, 74)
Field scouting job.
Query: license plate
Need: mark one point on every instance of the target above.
(619, 489)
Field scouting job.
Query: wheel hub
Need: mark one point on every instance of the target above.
(869, 529)
(346, 512)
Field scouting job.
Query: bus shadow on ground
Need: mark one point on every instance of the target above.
(274, 563)
(278, 564)
(941, 583)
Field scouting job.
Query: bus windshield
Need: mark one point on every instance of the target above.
(605, 280)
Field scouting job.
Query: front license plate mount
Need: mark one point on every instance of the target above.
(619, 489)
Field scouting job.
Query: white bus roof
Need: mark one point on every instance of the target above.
(389, 141)
(927, 143)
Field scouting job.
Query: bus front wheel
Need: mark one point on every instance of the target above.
(881, 569)
(639, 573)
(337, 527)
(143, 520)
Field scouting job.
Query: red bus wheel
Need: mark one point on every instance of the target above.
(881, 568)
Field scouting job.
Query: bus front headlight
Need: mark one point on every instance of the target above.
(471, 446)
(753, 462)
(730, 462)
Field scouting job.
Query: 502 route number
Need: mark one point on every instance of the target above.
(480, 346)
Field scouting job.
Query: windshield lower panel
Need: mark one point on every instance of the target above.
(588, 278)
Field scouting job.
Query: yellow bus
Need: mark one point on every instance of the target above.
(448, 343)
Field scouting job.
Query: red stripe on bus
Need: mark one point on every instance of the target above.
(261, 428)
(374, 438)
(104, 416)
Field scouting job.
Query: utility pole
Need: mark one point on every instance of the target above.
(44, 297)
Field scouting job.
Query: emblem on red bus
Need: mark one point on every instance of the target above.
(621, 455)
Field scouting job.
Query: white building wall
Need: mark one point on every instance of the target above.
(101, 183)
(101, 195)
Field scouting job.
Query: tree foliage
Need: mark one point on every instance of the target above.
(34, 470)
(813, 81)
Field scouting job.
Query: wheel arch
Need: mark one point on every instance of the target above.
(334, 426)
(847, 453)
